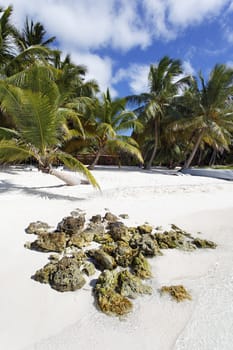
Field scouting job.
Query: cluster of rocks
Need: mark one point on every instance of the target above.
(106, 244)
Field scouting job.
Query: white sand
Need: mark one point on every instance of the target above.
(33, 316)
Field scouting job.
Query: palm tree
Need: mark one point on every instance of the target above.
(33, 99)
(71, 78)
(7, 31)
(104, 129)
(164, 83)
(31, 35)
(211, 120)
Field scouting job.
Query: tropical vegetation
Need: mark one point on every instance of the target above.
(50, 113)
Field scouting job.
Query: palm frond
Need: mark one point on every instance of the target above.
(6, 133)
(13, 151)
(73, 164)
(126, 147)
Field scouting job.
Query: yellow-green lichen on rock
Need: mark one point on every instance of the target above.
(177, 292)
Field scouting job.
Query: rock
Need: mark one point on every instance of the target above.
(146, 244)
(43, 275)
(113, 303)
(109, 301)
(71, 225)
(81, 239)
(124, 254)
(102, 260)
(67, 276)
(141, 267)
(124, 216)
(203, 243)
(145, 229)
(96, 219)
(130, 285)
(119, 232)
(110, 217)
(179, 293)
(89, 269)
(103, 238)
(37, 228)
(79, 257)
(50, 242)
(172, 239)
(54, 258)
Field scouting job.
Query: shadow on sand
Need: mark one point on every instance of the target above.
(7, 187)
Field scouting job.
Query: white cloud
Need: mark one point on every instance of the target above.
(168, 16)
(136, 75)
(188, 68)
(85, 26)
(99, 69)
(185, 12)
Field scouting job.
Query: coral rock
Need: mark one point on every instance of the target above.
(203, 243)
(67, 276)
(141, 267)
(50, 242)
(71, 225)
(102, 260)
(130, 285)
(37, 228)
(89, 269)
(145, 229)
(110, 217)
(179, 293)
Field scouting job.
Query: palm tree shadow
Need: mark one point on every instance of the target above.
(8, 187)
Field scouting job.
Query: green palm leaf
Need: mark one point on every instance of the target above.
(73, 164)
(13, 151)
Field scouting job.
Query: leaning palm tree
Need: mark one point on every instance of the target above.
(211, 120)
(38, 121)
(104, 130)
(164, 83)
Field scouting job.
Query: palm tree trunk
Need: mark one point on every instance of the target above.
(213, 158)
(69, 178)
(190, 159)
(95, 162)
(156, 134)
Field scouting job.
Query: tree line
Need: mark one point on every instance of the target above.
(50, 113)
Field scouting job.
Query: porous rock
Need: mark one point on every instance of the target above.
(146, 244)
(102, 260)
(71, 225)
(203, 243)
(108, 300)
(89, 269)
(131, 286)
(67, 276)
(118, 231)
(145, 229)
(96, 219)
(141, 267)
(110, 217)
(49, 242)
(178, 292)
(43, 275)
(37, 228)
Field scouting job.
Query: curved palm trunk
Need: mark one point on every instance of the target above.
(69, 179)
(197, 144)
(95, 162)
(156, 135)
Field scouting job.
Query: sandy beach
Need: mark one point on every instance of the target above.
(35, 317)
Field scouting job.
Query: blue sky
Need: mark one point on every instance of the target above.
(118, 39)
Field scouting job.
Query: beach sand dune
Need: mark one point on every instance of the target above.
(33, 316)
